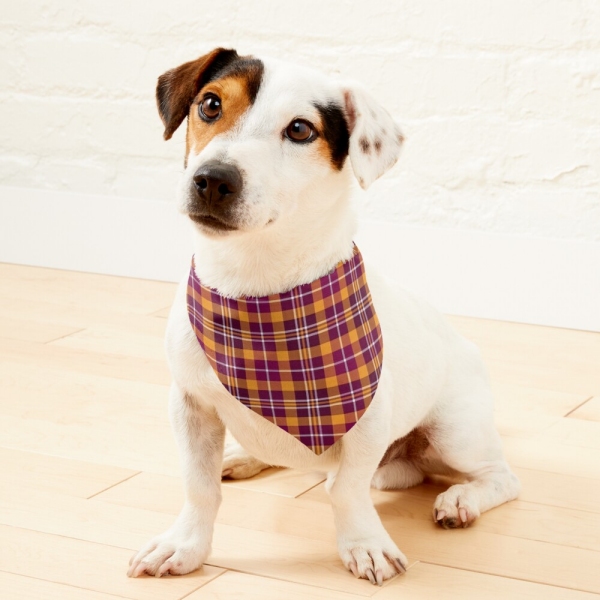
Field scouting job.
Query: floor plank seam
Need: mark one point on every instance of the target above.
(488, 573)
(205, 584)
(537, 470)
(113, 485)
(307, 584)
(76, 587)
(70, 537)
(62, 337)
(578, 406)
(312, 487)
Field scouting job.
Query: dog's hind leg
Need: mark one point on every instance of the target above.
(399, 468)
(398, 474)
(238, 464)
(468, 442)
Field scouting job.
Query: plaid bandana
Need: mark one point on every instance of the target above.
(308, 360)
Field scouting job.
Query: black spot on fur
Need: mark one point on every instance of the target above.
(377, 146)
(365, 146)
(335, 132)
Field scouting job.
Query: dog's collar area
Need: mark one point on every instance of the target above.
(308, 359)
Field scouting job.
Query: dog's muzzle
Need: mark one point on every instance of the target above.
(216, 187)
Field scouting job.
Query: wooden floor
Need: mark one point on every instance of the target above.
(89, 470)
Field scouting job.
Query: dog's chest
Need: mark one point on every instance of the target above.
(194, 375)
(307, 359)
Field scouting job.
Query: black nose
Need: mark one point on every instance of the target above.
(218, 183)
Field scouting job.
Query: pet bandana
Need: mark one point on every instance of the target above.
(307, 360)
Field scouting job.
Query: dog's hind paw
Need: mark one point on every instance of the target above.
(238, 464)
(456, 507)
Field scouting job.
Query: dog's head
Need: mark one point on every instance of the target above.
(265, 139)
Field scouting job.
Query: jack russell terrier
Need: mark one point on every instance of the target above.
(277, 335)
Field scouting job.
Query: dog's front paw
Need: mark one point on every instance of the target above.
(172, 553)
(372, 559)
(238, 464)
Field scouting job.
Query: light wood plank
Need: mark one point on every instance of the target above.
(122, 443)
(551, 456)
(90, 566)
(95, 418)
(242, 586)
(33, 331)
(590, 411)
(163, 493)
(556, 359)
(18, 587)
(282, 482)
(426, 581)
(78, 316)
(83, 361)
(555, 489)
(49, 473)
(573, 432)
(72, 288)
(121, 341)
(524, 411)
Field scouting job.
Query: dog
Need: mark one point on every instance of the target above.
(271, 150)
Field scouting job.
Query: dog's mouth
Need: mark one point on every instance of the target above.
(211, 222)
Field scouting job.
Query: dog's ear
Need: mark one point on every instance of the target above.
(375, 138)
(177, 88)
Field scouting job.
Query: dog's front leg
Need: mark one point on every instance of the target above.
(184, 547)
(364, 545)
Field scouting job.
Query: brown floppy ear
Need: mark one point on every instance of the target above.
(177, 88)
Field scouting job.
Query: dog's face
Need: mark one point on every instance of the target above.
(266, 139)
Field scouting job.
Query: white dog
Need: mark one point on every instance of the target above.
(266, 186)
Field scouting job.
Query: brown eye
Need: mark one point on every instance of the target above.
(300, 130)
(210, 108)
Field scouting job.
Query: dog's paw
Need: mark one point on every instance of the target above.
(372, 559)
(456, 507)
(238, 464)
(170, 554)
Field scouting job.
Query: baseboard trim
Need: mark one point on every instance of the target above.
(531, 280)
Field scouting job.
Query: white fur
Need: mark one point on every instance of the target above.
(295, 224)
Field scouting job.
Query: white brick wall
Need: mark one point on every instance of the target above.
(500, 99)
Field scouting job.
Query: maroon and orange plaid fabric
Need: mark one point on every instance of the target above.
(308, 360)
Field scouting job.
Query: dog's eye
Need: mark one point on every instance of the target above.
(210, 108)
(299, 130)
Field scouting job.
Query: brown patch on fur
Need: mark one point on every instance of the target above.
(235, 101)
(411, 447)
(177, 88)
(350, 110)
(365, 145)
(377, 145)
